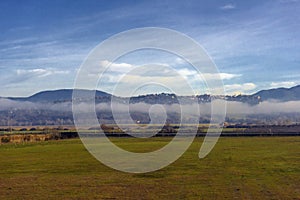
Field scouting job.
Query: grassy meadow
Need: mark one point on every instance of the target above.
(237, 168)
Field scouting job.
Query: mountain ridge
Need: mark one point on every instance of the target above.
(283, 94)
(56, 95)
(62, 95)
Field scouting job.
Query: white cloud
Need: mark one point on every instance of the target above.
(127, 76)
(186, 72)
(223, 76)
(179, 61)
(265, 107)
(117, 67)
(286, 84)
(165, 72)
(239, 88)
(39, 72)
(233, 107)
(228, 7)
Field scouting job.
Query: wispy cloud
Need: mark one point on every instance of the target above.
(228, 7)
(243, 88)
(233, 108)
(286, 84)
(223, 76)
(117, 67)
(289, 1)
(124, 75)
(39, 72)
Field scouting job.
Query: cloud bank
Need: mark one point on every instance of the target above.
(267, 107)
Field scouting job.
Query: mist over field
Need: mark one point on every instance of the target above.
(266, 107)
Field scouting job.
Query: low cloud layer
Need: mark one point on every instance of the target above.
(266, 107)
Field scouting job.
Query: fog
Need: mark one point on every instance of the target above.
(267, 107)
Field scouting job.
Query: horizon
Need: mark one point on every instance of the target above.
(59, 89)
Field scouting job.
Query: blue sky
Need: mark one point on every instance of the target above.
(255, 44)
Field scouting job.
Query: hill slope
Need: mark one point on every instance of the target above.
(280, 94)
(57, 95)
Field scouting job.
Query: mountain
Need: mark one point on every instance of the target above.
(65, 95)
(280, 94)
(57, 96)
(55, 107)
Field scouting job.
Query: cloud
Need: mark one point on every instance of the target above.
(285, 84)
(180, 61)
(233, 108)
(266, 107)
(223, 76)
(228, 7)
(6, 104)
(161, 70)
(186, 72)
(117, 67)
(289, 1)
(260, 28)
(40, 72)
(239, 88)
(157, 74)
(125, 77)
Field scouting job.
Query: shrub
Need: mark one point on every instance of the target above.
(5, 140)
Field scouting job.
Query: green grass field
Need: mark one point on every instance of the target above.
(237, 168)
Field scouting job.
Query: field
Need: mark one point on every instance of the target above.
(237, 168)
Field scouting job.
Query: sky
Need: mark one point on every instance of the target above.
(254, 44)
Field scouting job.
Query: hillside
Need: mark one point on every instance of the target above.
(280, 94)
(56, 96)
(65, 95)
